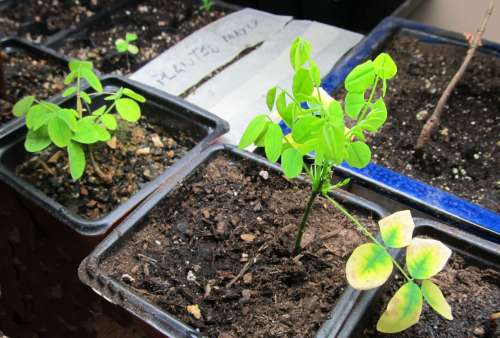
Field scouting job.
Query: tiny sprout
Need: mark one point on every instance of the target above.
(370, 266)
(206, 5)
(79, 127)
(125, 45)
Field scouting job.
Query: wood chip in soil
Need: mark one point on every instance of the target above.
(196, 241)
(473, 293)
(464, 153)
(24, 75)
(159, 25)
(137, 155)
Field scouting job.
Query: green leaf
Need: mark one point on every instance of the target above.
(128, 109)
(368, 267)
(335, 113)
(68, 116)
(85, 132)
(315, 74)
(23, 105)
(38, 115)
(385, 67)
(397, 229)
(358, 154)
(59, 132)
(300, 52)
(102, 133)
(302, 83)
(270, 97)
(130, 37)
(92, 79)
(376, 118)
(109, 121)
(360, 78)
(133, 49)
(354, 102)
(86, 97)
(254, 129)
(77, 65)
(69, 91)
(434, 297)
(37, 140)
(121, 45)
(133, 95)
(403, 309)
(290, 114)
(281, 103)
(426, 257)
(77, 161)
(291, 162)
(70, 77)
(306, 127)
(273, 142)
(332, 145)
(99, 111)
(114, 96)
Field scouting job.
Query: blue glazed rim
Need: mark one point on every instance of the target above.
(434, 201)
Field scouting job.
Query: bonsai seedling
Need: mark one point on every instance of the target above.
(206, 5)
(318, 126)
(79, 127)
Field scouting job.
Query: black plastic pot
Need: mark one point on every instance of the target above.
(350, 315)
(118, 293)
(166, 109)
(38, 52)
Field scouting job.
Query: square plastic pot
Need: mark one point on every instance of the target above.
(421, 196)
(37, 52)
(163, 108)
(156, 319)
(354, 308)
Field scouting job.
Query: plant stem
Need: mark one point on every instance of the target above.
(365, 231)
(303, 223)
(433, 121)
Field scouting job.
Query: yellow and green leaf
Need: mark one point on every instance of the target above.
(426, 257)
(397, 229)
(368, 267)
(403, 309)
(434, 297)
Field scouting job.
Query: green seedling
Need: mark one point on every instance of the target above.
(318, 122)
(206, 5)
(78, 128)
(125, 46)
(318, 125)
(370, 266)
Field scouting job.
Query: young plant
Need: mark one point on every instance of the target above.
(125, 46)
(78, 128)
(318, 126)
(206, 5)
(317, 122)
(370, 266)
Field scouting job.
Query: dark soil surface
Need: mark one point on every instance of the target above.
(28, 75)
(473, 293)
(36, 19)
(159, 25)
(463, 155)
(135, 156)
(193, 245)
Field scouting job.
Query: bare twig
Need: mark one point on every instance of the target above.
(434, 119)
(247, 266)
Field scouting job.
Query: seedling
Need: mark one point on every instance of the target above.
(125, 46)
(206, 5)
(318, 126)
(77, 129)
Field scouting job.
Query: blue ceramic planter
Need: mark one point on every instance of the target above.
(424, 197)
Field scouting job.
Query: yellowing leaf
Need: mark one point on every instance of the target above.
(403, 309)
(194, 310)
(435, 299)
(368, 267)
(397, 229)
(426, 257)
